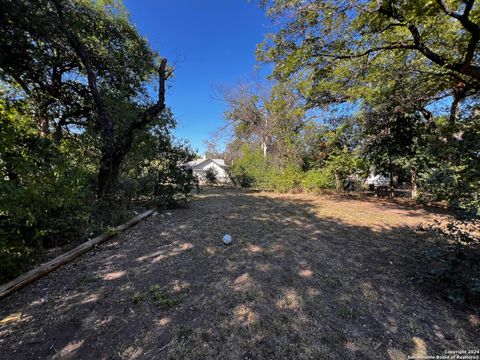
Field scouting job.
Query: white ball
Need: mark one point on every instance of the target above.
(227, 239)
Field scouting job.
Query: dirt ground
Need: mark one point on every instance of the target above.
(305, 278)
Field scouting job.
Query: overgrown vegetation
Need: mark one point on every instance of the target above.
(84, 141)
(363, 87)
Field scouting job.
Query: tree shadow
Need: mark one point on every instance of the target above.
(294, 284)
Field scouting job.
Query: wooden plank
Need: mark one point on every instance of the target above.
(63, 259)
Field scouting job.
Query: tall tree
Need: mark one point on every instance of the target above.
(88, 54)
(270, 118)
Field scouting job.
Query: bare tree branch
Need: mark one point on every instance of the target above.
(159, 106)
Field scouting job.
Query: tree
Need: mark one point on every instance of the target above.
(87, 54)
(82, 141)
(399, 62)
(247, 114)
(269, 118)
(335, 49)
(212, 148)
(390, 140)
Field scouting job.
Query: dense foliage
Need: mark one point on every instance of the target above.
(84, 141)
(401, 63)
(358, 87)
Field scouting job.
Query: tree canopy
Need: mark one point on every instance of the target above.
(385, 86)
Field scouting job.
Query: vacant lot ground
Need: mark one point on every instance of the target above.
(305, 278)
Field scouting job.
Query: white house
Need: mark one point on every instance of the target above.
(200, 167)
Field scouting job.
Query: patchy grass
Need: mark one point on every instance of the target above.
(160, 298)
(306, 277)
(138, 297)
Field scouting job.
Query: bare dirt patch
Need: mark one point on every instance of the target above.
(305, 278)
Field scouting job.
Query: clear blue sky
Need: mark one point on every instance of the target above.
(214, 42)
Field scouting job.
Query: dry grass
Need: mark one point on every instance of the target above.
(305, 278)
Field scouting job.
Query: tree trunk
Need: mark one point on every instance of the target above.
(109, 172)
(44, 129)
(338, 182)
(41, 113)
(113, 154)
(413, 173)
(392, 190)
(455, 108)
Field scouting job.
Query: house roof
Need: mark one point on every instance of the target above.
(200, 162)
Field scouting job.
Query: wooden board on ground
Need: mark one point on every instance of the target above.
(53, 264)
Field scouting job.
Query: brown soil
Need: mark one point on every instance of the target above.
(305, 278)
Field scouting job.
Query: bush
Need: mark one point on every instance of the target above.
(47, 187)
(175, 187)
(211, 176)
(250, 170)
(47, 197)
(316, 180)
(286, 179)
(240, 177)
(15, 259)
(450, 184)
(450, 170)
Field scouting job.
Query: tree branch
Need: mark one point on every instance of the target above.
(396, 46)
(156, 109)
(463, 18)
(105, 121)
(465, 67)
(468, 25)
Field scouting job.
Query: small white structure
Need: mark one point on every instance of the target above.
(200, 167)
(377, 181)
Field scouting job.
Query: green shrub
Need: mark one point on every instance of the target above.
(445, 182)
(211, 176)
(449, 170)
(15, 259)
(286, 179)
(250, 170)
(45, 205)
(240, 177)
(153, 172)
(316, 180)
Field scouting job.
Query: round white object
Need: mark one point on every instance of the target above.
(227, 239)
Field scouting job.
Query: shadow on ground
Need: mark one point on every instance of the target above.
(306, 278)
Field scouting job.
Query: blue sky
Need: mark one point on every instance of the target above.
(213, 43)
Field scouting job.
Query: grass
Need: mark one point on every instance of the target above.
(306, 277)
(160, 298)
(138, 297)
